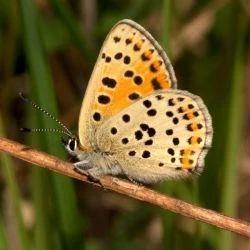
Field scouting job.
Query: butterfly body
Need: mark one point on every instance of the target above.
(133, 121)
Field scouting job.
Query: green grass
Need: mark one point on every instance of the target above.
(48, 187)
(12, 191)
(234, 133)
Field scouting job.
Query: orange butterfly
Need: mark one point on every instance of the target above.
(133, 120)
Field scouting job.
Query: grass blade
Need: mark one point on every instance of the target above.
(64, 205)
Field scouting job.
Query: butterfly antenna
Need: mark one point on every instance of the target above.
(45, 130)
(66, 130)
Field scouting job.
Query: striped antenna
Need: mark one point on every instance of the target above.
(53, 130)
(66, 131)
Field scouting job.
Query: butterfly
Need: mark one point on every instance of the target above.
(133, 120)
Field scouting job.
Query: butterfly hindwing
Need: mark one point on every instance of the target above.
(165, 134)
(130, 66)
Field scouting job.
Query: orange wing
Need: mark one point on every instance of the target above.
(130, 66)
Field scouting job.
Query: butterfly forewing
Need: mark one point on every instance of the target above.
(130, 66)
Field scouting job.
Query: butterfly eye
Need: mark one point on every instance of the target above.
(72, 144)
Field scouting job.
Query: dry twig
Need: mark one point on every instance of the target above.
(124, 187)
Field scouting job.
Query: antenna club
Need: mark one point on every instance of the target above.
(23, 96)
(25, 129)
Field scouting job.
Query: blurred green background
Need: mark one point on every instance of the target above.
(48, 49)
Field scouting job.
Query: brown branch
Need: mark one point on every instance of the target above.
(124, 187)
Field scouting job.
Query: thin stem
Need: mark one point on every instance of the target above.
(124, 187)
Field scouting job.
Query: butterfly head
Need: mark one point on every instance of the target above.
(71, 145)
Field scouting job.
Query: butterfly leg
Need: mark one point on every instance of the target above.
(85, 167)
(134, 181)
(81, 167)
